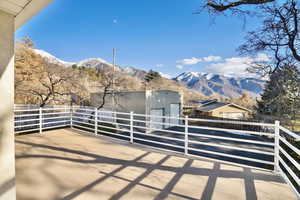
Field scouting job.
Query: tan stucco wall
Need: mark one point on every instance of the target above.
(7, 153)
(230, 109)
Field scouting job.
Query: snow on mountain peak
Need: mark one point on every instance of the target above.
(91, 62)
(210, 84)
(165, 75)
(195, 74)
(43, 53)
(52, 58)
(188, 75)
(209, 76)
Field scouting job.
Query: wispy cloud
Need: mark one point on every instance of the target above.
(194, 60)
(179, 66)
(235, 66)
(189, 61)
(211, 58)
(159, 65)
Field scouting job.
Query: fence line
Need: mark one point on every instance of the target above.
(271, 149)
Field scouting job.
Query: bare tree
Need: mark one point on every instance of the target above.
(109, 83)
(38, 81)
(26, 62)
(49, 83)
(278, 36)
(105, 83)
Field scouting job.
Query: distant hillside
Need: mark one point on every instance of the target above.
(133, 78)
(93, 63)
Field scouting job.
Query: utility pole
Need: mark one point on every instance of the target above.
(113, 80)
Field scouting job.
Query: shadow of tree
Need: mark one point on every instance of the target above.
(213, 174)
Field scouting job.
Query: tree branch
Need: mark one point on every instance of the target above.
(222, 7)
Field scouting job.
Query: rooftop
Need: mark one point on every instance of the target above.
(210, 105)
(68, 164)
(22, 9)
(140, 91)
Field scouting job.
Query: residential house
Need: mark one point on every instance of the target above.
(213, 108)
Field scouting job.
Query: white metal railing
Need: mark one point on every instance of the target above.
(249, 143)
(287, 164)
(28, 119)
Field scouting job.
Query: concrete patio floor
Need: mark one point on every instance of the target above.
(68, 164)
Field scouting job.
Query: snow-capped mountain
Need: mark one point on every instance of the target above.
(206, 83)
(51, 58)
(133, 72)
(215, 84)
(165, 75)
(93, 63)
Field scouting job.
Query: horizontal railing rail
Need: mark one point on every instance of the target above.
(28, 119)
(262, 145)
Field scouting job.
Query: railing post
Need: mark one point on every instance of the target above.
(115, 116)
(41, 119)
(276, 147)
(96, 121)
(71, 116)
(131, 127)
(66, 114)
(186, 137)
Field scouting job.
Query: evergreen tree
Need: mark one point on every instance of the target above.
(74, 66)
(152, 75)
(281, 96)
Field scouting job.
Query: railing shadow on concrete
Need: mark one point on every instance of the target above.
(213, 174)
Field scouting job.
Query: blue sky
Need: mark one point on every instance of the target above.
(162, 35)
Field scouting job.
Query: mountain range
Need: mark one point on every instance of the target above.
(93, 63)
(207, 84)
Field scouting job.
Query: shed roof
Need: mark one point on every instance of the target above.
(212, 106)
(138, 91)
